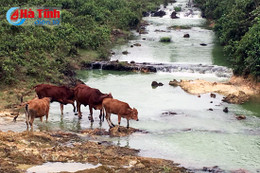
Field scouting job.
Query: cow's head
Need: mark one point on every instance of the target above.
(109, 95)
(134, 114)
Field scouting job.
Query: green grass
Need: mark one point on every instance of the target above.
(165, 39)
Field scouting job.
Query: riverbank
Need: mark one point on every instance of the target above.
(237, 90)
(20, 151)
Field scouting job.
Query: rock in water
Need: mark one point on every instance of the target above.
(212, 95)
(125, 52)
(225, 110)
(240, 117)
(186, 36)
(119, 131)
(159, 13)
(203, 44)
(156, 84)
(174, 83)
(174, 15)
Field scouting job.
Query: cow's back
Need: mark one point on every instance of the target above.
(39, 107)
(115, 106)
(55, 92)
(82, 93)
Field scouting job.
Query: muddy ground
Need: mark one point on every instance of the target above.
(22, 150)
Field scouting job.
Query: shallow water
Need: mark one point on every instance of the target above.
(195, 137)
(59, 167)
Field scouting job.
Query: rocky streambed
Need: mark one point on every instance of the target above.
(22, 150)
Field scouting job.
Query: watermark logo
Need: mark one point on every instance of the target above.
(34, 16)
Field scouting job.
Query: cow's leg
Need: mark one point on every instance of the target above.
(41, 119)
(78, 107)
(101, 115)
(31, 122)
(27, 119)
(61, 108)
(91, 113)
(108, 119)
(127, 124)
(74, 108)
(119, 119)
(47, 115)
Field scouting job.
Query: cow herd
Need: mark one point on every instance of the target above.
(82, 94)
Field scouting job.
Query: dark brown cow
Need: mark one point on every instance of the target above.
(89, 96)
(61, 94)
(36, 108)
(120, 108)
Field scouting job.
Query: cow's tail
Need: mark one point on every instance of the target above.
(27, 115)
(19, 107)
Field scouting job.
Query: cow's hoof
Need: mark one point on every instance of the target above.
(92, 121)
(80, 117)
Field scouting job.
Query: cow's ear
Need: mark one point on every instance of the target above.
(129, 110)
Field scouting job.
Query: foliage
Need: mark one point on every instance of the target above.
(177, 9)
(165, 39)
(44, 53)
(237, 27)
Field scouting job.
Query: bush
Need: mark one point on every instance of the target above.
(165, 39)
(177, 9)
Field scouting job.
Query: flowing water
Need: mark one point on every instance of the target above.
(194, 137)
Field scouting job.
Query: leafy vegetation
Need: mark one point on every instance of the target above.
(237, 25)
(165, 39)
(44, 53)
(177, 9)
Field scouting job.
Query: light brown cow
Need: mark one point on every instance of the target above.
(36, 108)
(120, 108)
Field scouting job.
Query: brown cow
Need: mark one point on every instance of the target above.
(89, 96)
(36, 108)
(61, 94)
(120, 108)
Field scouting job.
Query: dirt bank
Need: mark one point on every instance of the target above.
(237, 90)
(19, 151)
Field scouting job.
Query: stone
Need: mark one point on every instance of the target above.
(156, 84)
(174, 83)
(225, 110)
(240, 117)
(174, 15)
(125, 52)
(186, 36)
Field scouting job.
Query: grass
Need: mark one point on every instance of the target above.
(165, 39)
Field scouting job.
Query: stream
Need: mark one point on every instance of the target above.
(180, 126)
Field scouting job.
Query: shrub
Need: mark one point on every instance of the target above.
(165, 39)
